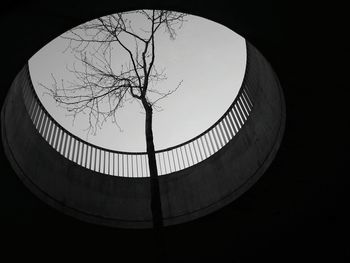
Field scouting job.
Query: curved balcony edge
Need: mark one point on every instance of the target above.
(125, 202)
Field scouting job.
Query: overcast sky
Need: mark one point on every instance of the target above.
(207, 57)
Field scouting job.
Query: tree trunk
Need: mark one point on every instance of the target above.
(156, 206)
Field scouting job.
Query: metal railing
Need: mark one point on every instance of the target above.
(135, 164)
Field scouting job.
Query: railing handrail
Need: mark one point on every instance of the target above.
(228, 125)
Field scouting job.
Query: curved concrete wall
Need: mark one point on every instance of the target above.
(125, 202)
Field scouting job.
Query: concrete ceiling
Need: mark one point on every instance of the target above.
(296, 211)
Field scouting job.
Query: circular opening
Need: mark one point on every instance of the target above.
(202, 66)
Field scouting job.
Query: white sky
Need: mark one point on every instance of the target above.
(209, 58)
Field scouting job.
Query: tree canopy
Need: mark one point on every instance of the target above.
(102, 83)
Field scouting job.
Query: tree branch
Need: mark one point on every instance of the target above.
(98, 89)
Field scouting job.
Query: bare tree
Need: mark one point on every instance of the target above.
(101, 88)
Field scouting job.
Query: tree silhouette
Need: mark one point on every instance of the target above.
(100, 87)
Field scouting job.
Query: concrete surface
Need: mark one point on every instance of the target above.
(125, 202)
